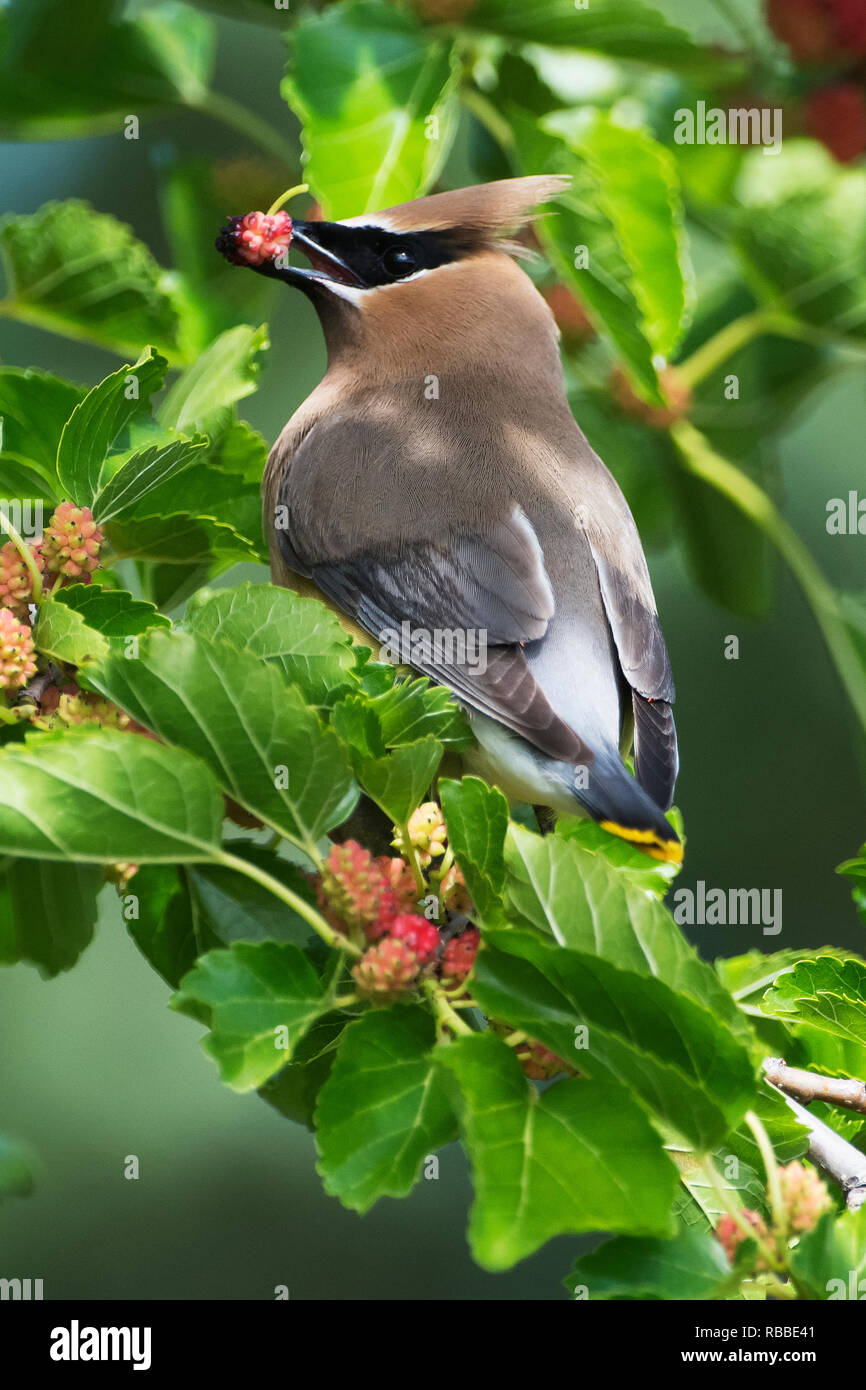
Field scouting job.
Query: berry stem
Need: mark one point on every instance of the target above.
(332, 938)
(414, 861)
(700, 459)
(445, 1015)
(26, 555)
(285, 197)
(708, 1169)
(774, 1186)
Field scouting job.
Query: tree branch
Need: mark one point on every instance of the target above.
(833, 1154)
(807, 1086)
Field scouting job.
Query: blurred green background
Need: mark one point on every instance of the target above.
(228, 1204)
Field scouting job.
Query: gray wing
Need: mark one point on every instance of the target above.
(475, 584)
(643, 657)
(487, 577)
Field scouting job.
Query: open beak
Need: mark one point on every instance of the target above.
(326, 266)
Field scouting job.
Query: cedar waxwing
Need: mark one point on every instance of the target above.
(436, 482)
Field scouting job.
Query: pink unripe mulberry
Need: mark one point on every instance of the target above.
(352, 884)
(71, 542)
(804, 1195)
(386, 970)
(401, 880)
(730, 1235)
(459, 955)
(16, 581)
(255, 238)
(17, 664)
(420, 936)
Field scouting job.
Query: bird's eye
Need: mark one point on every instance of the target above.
(399, 261)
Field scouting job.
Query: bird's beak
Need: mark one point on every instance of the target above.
(326, 265)
(310, 238)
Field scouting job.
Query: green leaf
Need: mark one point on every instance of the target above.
(654, 875)
(162, 925)
(260, 1001)
(638, 193)
(112, 612)
(580, 1157)
(145, 471)
(225, 373)
(83, 274)
(413, 709)
(699, 1204)
(477, 818)
(677, 1058)
(383, 1108)
(267, 748)
(582, 245)
(34, 408)
(101, 421)
(294, 1091)
(828, 993)
(615, 28)
(20, 478)
(47, 912)
(691, 1266)
(62, 634)
(829, 1263)
(856, 869)
(745, 975)
(300, 635)
(365, 80)
(71, 67)
(232, 907)
(801, 234)
(180, 539)
(358, 726)
(580, 898)
(104, 796)
(399, 781)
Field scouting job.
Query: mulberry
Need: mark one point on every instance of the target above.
(17, 664)
(16, 581)
(387, 970)
(71, 542)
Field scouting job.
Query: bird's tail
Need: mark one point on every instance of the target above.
(619, 803)
(603, 789)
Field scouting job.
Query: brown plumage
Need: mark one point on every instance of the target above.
(437, 476)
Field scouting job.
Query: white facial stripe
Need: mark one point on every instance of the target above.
(356, 293)
(380, 220)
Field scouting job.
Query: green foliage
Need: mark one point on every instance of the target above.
(827, 992)
(691, 1266)
(71, 67)
(599, 1075)
(82, 273)
(365, 81)
(383, 1108)
(258, 1001)
(548, 1164)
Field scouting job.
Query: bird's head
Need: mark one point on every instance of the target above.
(432, 264)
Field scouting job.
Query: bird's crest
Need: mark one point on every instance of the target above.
(484, 213)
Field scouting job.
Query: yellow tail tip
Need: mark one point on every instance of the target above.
(670, 851)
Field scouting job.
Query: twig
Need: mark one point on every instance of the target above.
(807, 1086)
(838, 1159)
